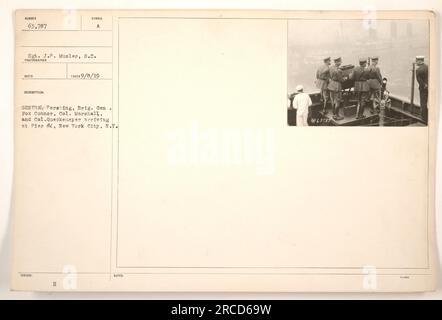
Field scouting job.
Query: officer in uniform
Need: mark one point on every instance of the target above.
(422, 79)
(322, 79)
(375, 84)
(360, 75)
(335, 87)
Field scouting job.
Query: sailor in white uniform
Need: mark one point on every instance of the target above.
(301, 103)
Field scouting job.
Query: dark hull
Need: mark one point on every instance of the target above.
(400, 113)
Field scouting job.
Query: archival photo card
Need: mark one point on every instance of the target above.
(153, 151)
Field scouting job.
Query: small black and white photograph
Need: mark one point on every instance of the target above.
(358, 73)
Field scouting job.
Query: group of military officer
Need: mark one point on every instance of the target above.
(367, 85)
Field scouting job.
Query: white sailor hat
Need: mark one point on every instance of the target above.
(420, 58)
(299, 87)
